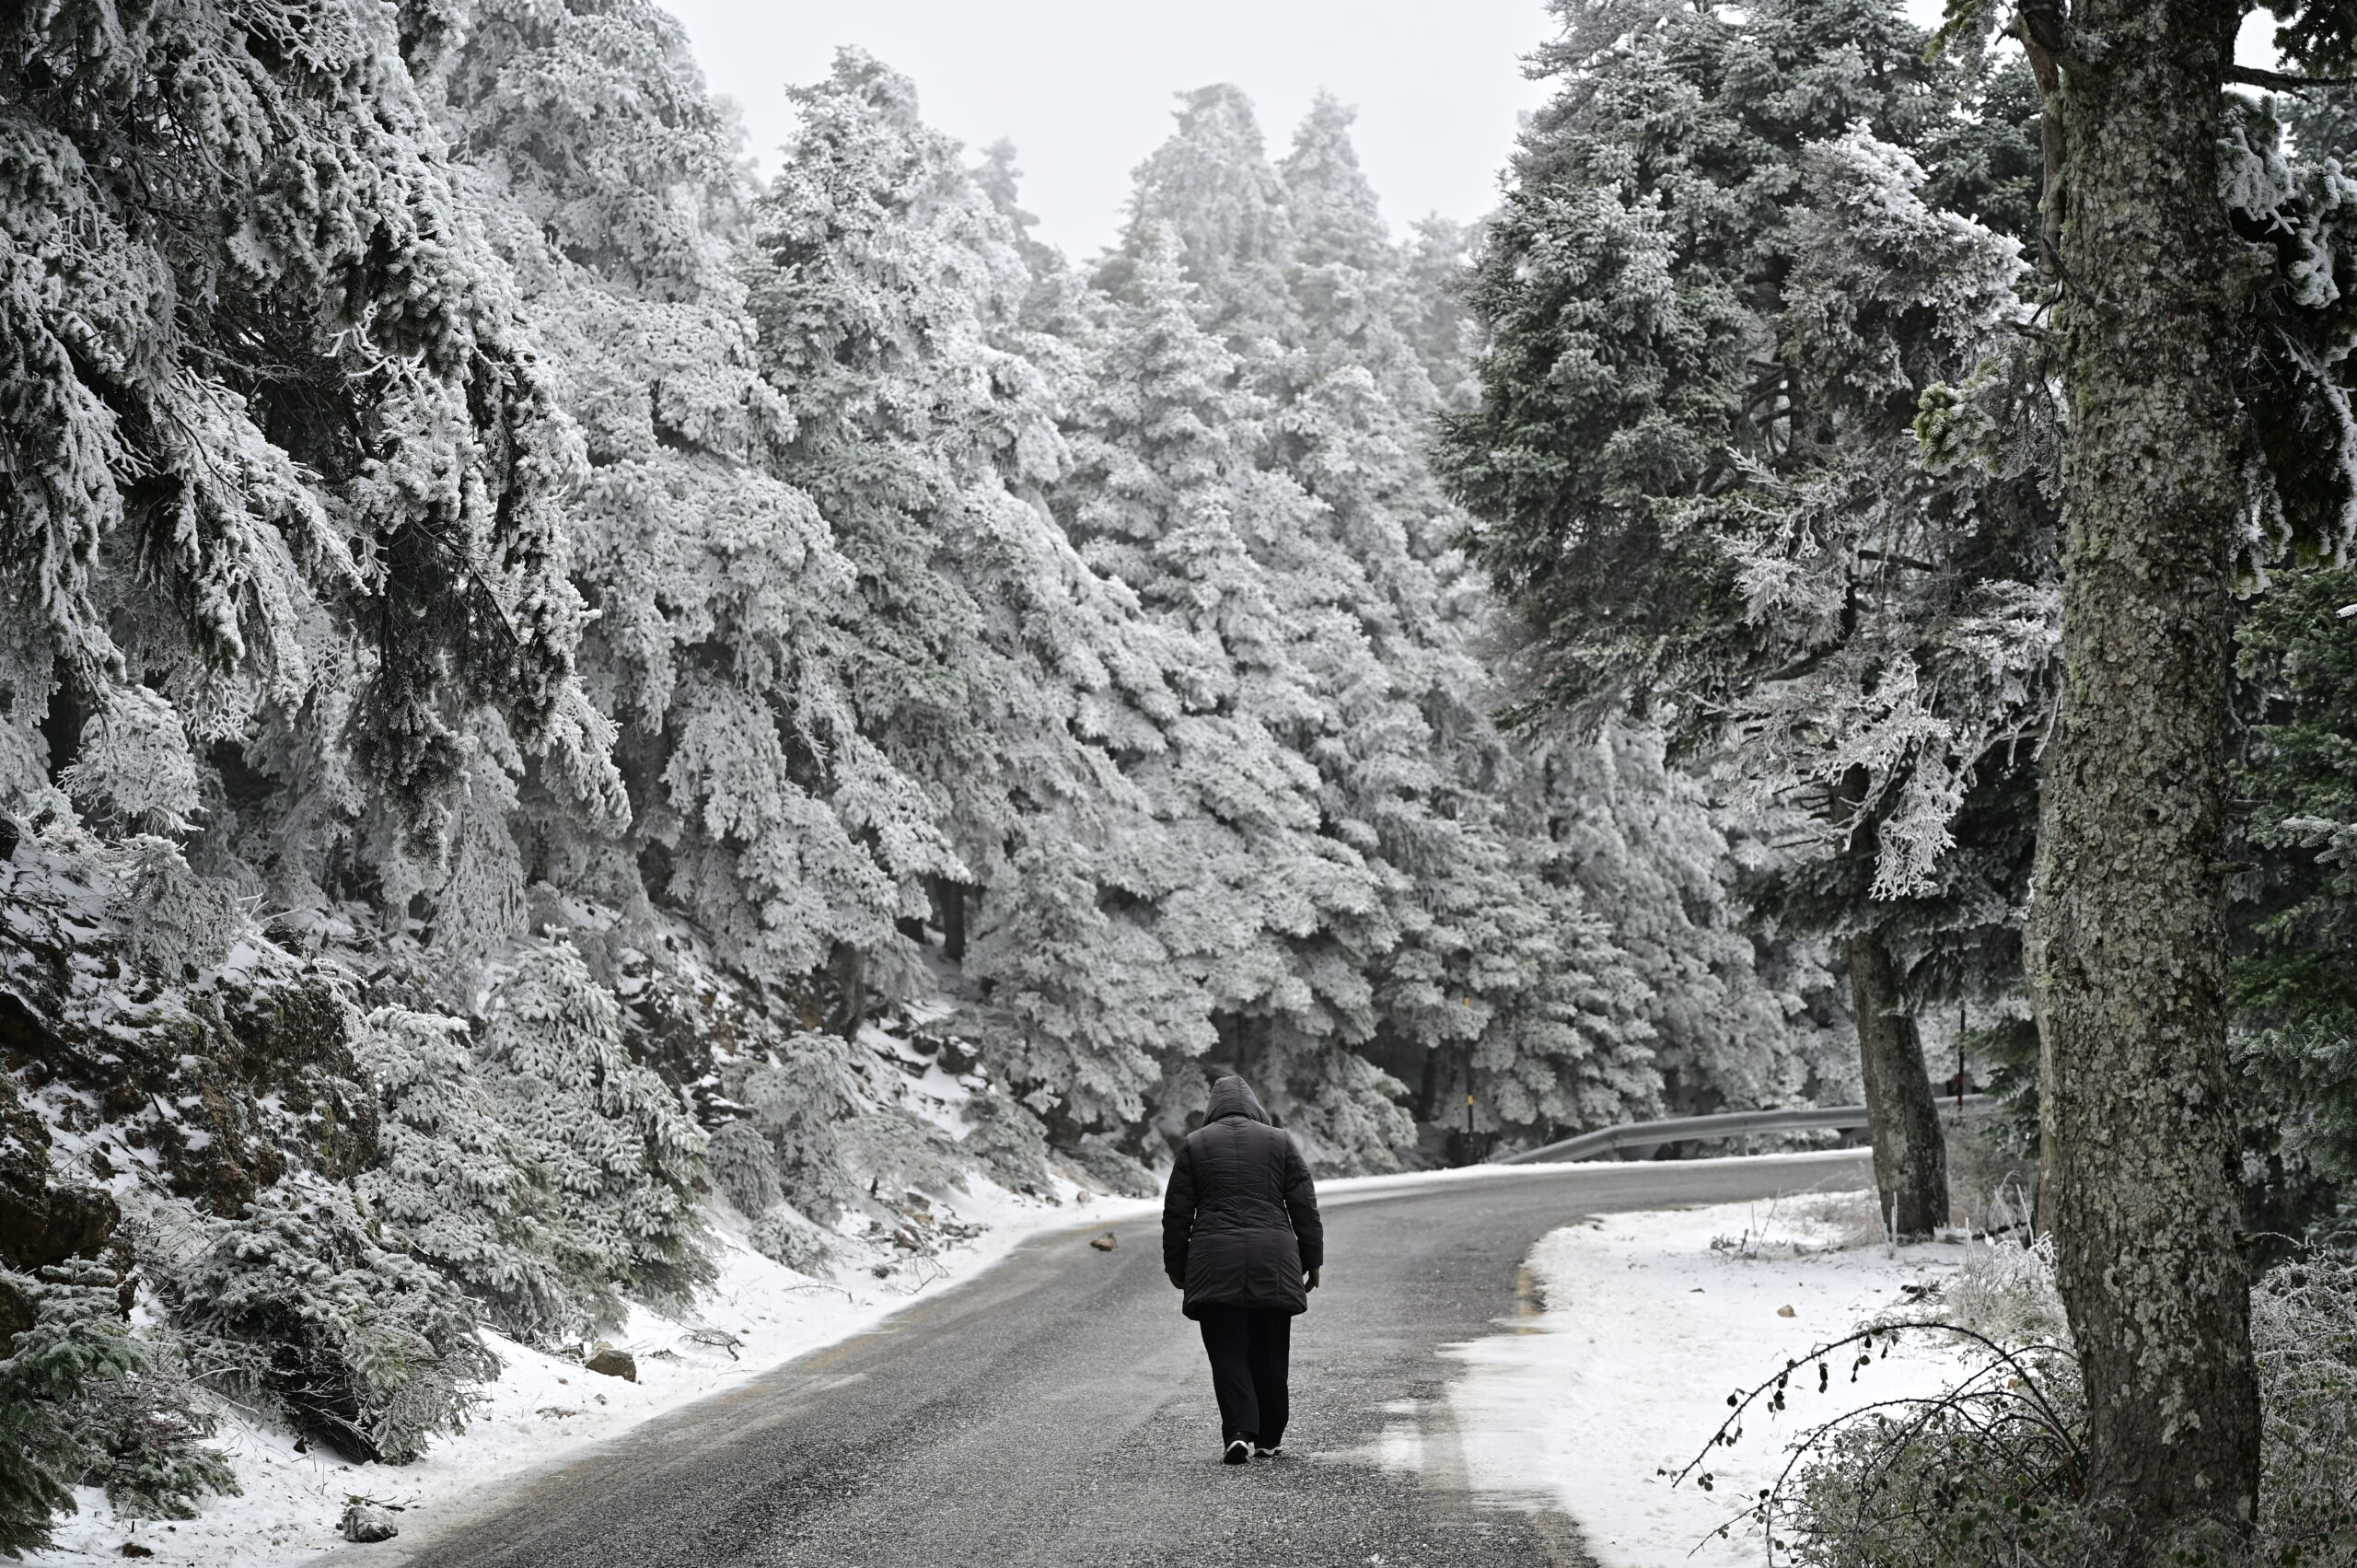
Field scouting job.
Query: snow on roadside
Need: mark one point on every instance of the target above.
(542, 1407)
(1649, 1321)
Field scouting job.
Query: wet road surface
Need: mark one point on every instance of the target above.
(1056, 1410)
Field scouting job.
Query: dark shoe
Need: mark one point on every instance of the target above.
(1260, 1453)
(1238, 1452)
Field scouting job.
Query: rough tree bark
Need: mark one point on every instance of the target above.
(1911, 1151)
(2127, 933)
(950, 914)
(847, 965)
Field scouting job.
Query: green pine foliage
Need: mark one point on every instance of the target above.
(298, 1309)
(85, 1402)
(2294, 1002)
(1698, 473)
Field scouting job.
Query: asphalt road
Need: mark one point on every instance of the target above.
(1056, 1410)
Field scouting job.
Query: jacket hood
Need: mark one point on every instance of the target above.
(1233, 1097)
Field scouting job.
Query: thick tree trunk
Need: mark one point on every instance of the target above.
(848, 967)
(2127, 936)
(950, 914)
(1910, 1152)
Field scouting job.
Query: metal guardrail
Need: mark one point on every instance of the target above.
(1651, 1135)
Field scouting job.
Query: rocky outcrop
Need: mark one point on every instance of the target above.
(214, 1086)
(44, 1222)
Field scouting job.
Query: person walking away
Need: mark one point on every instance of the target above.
(1241, 1236)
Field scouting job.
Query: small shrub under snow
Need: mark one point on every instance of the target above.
(296, 1311)
(85, 1402)
(609, 1139)
(1991, 1472)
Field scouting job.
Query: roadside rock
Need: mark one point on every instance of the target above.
(365, 1522)
(613, 1363)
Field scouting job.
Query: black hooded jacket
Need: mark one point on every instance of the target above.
(1239, 1220)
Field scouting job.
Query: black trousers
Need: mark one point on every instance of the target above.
(1249, 1346)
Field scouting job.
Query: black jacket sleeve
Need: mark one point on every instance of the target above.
(1179, 1212)
(1301, 1205)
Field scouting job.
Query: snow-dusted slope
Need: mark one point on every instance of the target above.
(1648, 1322)
(543, 1407)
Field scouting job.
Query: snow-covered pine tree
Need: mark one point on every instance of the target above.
(2289, 1006)
(84, 1401)
(2293, 1007)
(1740, 1018)
(609, 177)
(610, 1140)
(1226, 213)
(1271, 918)
(284, 559)
(1701, 488)
(455, 1186)
(1493, 978)
(1088, 1012)
(1499, 971)
(1913, 589)
(1439, 325)
(298, 1308)
(287, 473)
(887, 284)
(1212, 191)
(790, 1147)
(2200, 272)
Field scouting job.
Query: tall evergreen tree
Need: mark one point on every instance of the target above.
(2290, 992)
(1486, 972)
(885, 285)
(284, 510)
(1496, 960)
(1699, 489)
(1740, 1018)
(2201, 326)
(722, 649)
(1272, 917)
(2288, 997)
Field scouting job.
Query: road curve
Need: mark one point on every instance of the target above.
(1054, 1410)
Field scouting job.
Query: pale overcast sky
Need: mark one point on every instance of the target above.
(1085, 89)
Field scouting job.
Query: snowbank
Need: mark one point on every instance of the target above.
(1646, 1323)
(543, 1408)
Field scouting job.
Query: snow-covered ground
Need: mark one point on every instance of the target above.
(1647, 1323)
(758, 1316)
